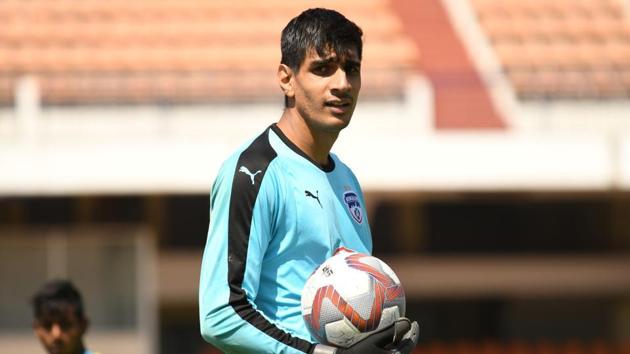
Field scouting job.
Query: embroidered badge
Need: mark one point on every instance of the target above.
(351, 199)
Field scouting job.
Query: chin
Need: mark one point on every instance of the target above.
(55, 350)
(344, 121)
(338, 124)
(329, 123)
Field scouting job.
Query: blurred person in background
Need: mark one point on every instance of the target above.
(282, 204)
(60, 322)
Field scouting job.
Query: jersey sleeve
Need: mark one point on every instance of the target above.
(241, 222)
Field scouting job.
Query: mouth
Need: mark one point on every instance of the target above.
(339, 106)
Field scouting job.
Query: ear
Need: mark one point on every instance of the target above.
(285, 80)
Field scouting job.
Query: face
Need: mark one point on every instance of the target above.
(325, 90)
(63, 335)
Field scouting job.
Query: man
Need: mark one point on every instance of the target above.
(60, 321)
(279, 205)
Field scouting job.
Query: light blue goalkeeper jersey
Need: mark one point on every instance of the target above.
(275, 216)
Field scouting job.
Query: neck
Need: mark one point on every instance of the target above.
(315, 144)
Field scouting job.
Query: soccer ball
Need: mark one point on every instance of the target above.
(350, 296)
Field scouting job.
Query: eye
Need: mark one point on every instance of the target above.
(323, 70)
(65, 325)
(353, 69)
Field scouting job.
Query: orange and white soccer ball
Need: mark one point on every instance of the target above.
(350, 296)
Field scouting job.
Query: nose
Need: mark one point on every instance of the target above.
(341, 83)
(55, 331)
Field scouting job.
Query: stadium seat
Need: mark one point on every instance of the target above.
(201, 50)
(590, 37)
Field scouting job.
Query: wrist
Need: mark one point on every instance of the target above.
(325, 349)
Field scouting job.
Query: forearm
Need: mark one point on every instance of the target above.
(226, 330)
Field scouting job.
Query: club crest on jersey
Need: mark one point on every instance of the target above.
(351, 199)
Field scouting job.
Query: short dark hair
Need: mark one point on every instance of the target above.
(322, 30)
(55, 297)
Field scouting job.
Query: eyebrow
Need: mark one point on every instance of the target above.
(333, 59)
(351, 62)
(325, 61)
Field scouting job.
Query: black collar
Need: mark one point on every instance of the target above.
(329, 167)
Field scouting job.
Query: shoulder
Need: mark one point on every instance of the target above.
(250, 169)
(254, 155)
(340, 165)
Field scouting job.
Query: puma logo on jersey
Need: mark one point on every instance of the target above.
(316, 197)
(246, 171)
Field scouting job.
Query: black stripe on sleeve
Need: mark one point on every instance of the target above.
(252, 165)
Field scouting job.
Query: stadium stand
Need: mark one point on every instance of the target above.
(560, 49)
(175, 51)
(461, 99)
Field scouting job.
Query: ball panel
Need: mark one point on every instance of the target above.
(330, 312)
(390, 315)
(351, 282)
(363, 303)
(342, 333)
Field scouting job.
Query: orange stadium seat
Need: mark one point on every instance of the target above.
(95, 51)
(517, 347)
(491, 347)
(532, 37)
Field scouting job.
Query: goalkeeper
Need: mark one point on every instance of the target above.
(282, 204)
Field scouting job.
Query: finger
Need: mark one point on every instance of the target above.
(383, 337)
(413, 333)
(409, 340)
(401, 327)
